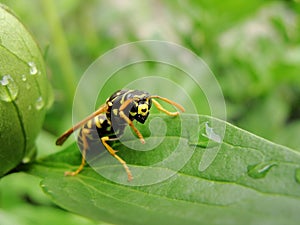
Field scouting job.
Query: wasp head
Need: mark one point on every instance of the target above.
(140, 109)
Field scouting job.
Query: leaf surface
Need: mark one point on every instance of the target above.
(244, 179)
(25, 92)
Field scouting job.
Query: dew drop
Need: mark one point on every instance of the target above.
(260, 170)
(297, 175)
(8, 88)
(210, 134)
(32, 68)
(24, 78)
(39, 104)
(26, 160)
(5, 80)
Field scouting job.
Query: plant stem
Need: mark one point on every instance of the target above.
(61, 47)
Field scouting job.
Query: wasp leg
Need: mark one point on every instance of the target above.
(84, 132)
(113, 153)
(130, 123)
(159, 107)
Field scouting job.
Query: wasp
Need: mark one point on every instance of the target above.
(109, 121)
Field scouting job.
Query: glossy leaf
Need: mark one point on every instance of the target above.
(24, 92)
(248, 180)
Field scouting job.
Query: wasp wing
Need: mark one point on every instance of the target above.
(102, 109)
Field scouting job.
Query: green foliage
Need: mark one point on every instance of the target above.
(248, 177)
(24, 203)
(252, 48)
(24, 92)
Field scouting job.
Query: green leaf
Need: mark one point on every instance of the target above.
(24, 92)
(24, 203)
(242, 179)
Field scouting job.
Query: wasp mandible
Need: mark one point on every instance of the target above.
(109, 121)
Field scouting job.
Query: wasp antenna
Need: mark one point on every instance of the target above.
(169, 101)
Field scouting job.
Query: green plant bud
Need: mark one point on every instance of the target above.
(25, 92)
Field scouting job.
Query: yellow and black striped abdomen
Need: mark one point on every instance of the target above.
(97, 128)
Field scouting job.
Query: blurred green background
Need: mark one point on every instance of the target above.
(252, 47)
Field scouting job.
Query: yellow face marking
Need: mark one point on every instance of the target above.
(143, 109)
(133, 113)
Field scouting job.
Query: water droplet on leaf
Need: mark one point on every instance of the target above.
(260, 170)
(32, 68)
(210, 134)
(39, 104)
(8, 88)
(26, 160)
(5, 80)
(24, 78)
